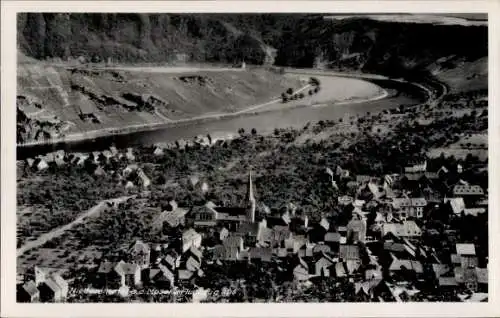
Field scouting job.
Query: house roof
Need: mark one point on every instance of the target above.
(467, 189)
(30, 288)
(440, 269)
(106, 267)
(140, 247)
(262, 253)
(407, 228)
(465, 249)
(397, 264)
(457, 204)
(196, 253)
(265, 234)
(321, 248)
(52, 284)
(248, 228)
(482, 275)
(332, 237)
(447, 281)
(349, 252)
(463, 275)
(123, 268)
(185, 274)
(189, 234)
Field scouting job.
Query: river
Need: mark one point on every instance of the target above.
(264, 122)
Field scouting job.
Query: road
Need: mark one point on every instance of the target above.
(44, 238)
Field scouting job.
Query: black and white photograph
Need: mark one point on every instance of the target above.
(225, 157)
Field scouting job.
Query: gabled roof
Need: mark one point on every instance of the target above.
(248, 228)
(398, 264)
(189, 234)
(140, 247)
(457, 204)
(106, 267)
(123, 268)
(30, 288)
(465, 249)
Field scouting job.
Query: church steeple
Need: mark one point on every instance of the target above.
(250, 199)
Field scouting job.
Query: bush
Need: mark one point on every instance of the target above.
(289, 91)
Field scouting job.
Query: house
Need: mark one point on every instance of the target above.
(474, 211)
(356, 229)
(406, 264)
(440, 270)
(263, 254)
(130, 154)
(140, 254)
(130, 274)
(225, 253)
(301, 271)
(482, 278)
(467, 255)
(193, 259)
(233, 241)
(323, 265)
(40, 164)
(409, 207)
(466, 277)
(457, 205)
(158, 151)
(190, 238)
(332, 239)
(350, 254)
(172, 218)
(249, 232)
(467, 190)
(419, 167)
(27, 292)
(107, 277)
(408, 229)
(143, 178)
(361, 179)
(161, 277)
(53, 289)
(172, 260)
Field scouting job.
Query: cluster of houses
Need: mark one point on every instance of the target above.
(379, 252)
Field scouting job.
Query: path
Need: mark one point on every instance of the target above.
(44, 238)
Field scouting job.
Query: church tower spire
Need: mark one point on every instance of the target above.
(250, 199)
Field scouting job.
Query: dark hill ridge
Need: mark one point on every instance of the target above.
(300, 40)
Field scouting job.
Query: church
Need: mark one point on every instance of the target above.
(231, 218)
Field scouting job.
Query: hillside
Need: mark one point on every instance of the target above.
(54, 101)
(291, 40)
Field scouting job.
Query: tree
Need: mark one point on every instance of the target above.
(254, 131)
(289, 91)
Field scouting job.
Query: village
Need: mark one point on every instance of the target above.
(411, 236)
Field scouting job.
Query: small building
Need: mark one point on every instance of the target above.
(467, 255)
(140, 253)
(467, 190)
(130, 274)
(323, 265)
(28, 292)
(53, 289)
(407, 229)
(301, 271)
(356, 229)
(190, 238)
